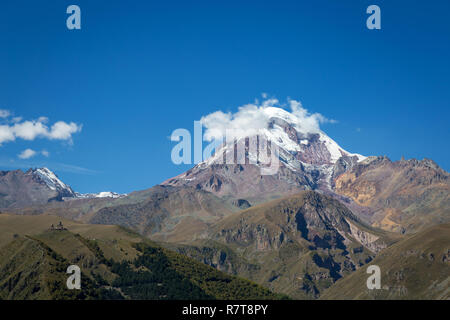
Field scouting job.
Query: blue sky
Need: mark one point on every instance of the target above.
(138, 70)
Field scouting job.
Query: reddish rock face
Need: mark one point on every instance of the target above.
(315, 152)
(398, 193)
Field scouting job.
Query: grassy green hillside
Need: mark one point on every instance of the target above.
(417, 267)
(115, 264)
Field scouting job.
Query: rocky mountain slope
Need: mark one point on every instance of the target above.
(403, 196)
(166, 213)
(417, 267)
(298, 245)
(33, 187)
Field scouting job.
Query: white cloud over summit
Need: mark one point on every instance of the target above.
(32, 129)
(251, 119)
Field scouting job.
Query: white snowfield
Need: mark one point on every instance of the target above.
(107, 194)
(103, 194)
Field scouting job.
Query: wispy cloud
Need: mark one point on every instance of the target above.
(73, 169)
(54, 166)
(27, 154)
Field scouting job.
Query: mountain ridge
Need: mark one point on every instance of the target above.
(299, 245)
(38, 186)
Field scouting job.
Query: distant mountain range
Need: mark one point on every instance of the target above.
(36, 187)
(303, 231)
(391, 195)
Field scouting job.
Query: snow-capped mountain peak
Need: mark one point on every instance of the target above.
(308, 158)
(50, 179)
(290, 133)
(297, 141)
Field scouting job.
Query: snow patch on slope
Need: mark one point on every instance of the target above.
(281, 138)
(108, 194)
(335, 150)
(103, 194)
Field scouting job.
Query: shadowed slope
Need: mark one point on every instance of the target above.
(417, 267)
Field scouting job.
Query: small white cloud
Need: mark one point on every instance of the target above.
(6, 134)
(27, 154)
(63, 131)
(4, 113)
(32, 129)
(29, 130)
